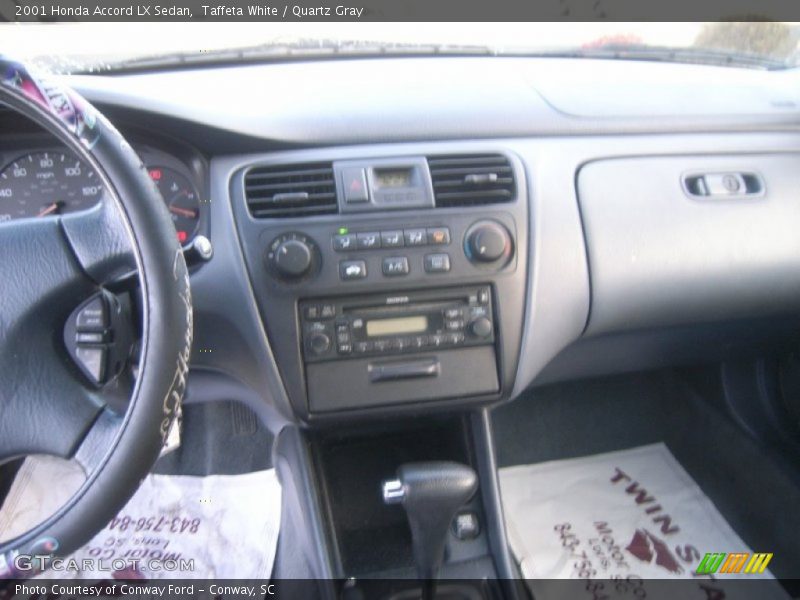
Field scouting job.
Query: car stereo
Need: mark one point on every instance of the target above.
(385, 324)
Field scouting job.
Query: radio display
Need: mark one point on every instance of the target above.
(397, 325)
(393, 177)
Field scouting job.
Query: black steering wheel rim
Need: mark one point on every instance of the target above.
(140, 234)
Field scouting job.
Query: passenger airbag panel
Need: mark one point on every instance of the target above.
(660, 257)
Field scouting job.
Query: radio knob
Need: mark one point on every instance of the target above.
(319, 343)
(487, 241)
(292, 258)
(480, 327)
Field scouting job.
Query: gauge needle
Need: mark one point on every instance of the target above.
(51, 208)
(183, 212)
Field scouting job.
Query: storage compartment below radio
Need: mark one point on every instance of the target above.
(365, 382)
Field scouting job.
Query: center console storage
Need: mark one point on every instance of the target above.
(370, 538)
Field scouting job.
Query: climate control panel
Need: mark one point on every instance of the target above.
(391, 251)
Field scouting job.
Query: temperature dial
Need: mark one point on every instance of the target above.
(488, 242)
(293, 256)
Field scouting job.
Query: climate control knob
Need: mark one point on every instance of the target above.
(292, 256)
(487, 242)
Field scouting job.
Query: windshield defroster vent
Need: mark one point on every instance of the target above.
(297, 190)
(469, 179)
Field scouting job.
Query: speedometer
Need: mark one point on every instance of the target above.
(46, 183)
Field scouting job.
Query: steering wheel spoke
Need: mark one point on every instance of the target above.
(101, 243)
(98, 440)
(43, 408)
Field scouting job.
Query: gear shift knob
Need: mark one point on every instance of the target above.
(431, 493)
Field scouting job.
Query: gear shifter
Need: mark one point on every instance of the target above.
(431, 493)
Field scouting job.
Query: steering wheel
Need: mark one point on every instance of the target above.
(49, 268)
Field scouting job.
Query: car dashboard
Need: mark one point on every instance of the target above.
(448, 236)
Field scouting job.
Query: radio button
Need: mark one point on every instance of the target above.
(327, 311)
(392, 239)
(454, 325)
(394, 266)
(400, 343)
(344, 243)
(453, 313)
(456, 338)
(479, 311)
(343, 338)
(438, 236)
(483, 296)
(352, 269)
(437, 263)
(368, 241)
(415, 237)
(419, 341)
(345, 348)
(361, 347)
(381, 345)
(312, 312)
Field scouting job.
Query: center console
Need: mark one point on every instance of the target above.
(387, 283)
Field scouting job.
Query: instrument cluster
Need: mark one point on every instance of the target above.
(45, 181)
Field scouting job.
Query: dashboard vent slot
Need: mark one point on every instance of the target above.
(469, 179)
(298, 190)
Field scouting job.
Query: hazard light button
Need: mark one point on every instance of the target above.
(354, 182)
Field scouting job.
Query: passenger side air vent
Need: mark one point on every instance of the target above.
(290, 190)
(469, 179)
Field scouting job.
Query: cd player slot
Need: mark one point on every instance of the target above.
(383, 309)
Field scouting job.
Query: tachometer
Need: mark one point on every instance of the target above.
(47, 183)
(182, 200)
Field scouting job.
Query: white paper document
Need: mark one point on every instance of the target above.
(633, 515)
(218, 526)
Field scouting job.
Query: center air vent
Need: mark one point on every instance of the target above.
(468, 179)
(290, 190)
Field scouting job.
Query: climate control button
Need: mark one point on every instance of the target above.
(352, 269)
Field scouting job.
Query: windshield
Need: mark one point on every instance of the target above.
(104, 47)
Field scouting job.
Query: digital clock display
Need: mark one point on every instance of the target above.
(393, 177)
